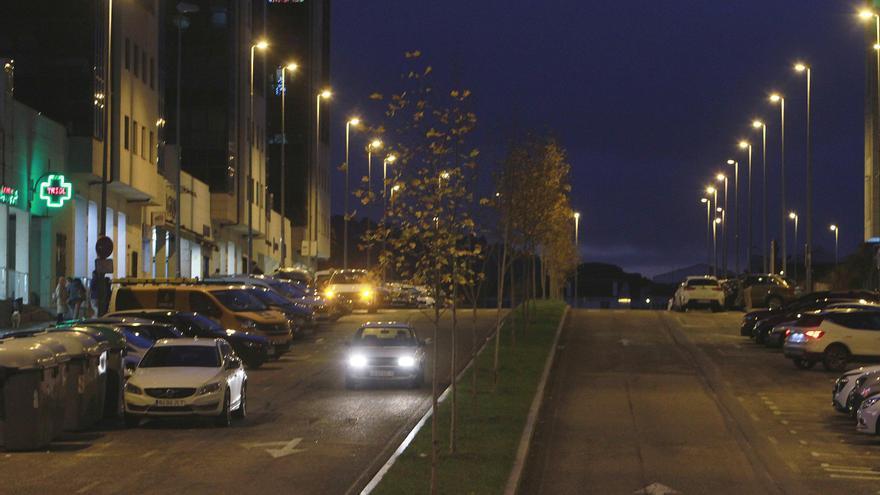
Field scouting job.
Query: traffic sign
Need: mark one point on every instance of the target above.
(104, 247)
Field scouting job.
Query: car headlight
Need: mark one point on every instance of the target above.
(133, 389)
(209, 388)
(366, 294)
(406, 361)
(230, 332)
(329, 294)
(247, 323)
(357, 361)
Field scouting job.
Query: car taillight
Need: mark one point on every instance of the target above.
(787, 332)
(814, 334)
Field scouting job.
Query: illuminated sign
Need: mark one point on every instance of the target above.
(8, 195)
(55, 190)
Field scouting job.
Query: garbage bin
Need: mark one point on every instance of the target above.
(27, 370)
(81, 406)
(57, 390)
(111, 382)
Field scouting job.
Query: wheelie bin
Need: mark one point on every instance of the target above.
(81, 406)
(28, 371)
(111, 368)
(57, 390)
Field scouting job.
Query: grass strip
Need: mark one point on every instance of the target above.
(489, 423)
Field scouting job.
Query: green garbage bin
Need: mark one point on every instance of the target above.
(27, 371)
(56, 390)
(81, 405)
(111, 379)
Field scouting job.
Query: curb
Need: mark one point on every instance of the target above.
(525, 441)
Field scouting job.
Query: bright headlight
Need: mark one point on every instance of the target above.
(357, 361)
(366, 294)
(329, 294)
(406, 361)
(209, 388)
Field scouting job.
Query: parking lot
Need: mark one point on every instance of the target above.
(682, 400)
(305, 432)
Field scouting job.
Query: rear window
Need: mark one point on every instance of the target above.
(197, 356)
(702, 282)
(125, 299)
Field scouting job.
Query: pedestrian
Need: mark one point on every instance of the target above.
(93, 293)
(76, 294)
(60, 298)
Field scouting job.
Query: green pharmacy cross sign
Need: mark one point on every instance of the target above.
(55, 190)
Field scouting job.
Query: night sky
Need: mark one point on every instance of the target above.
(649, 98)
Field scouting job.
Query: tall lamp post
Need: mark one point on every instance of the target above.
(808, 243)
(778, 98)
(745, 145)
(312, 224)
(374, 144)
(715, 224)
(708, 203)
(291, 67)
(793, 216)
(723, 178)
(182, 22)
(735, 211)
(714, 192)
(577, 218)
(388, 159)
(757, 124)
(348, 125)
(260, 45)
(834, 228)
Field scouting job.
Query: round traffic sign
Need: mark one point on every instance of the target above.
(104, 247)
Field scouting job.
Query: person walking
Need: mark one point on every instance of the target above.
(76, 294)
(60, 297)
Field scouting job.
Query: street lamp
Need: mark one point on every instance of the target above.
(375, 144)
(745, 145)
(735, 211)
(391, 158)
(757, 124)
(259, 45)
(353, 122)
(290, 67)
(723, 178)
(778, 98)
(715, 242)
(312, 224)
(577, 218)
(714, 192)
(708, 203)
(808, 244)
(794, 217)
(834, 228)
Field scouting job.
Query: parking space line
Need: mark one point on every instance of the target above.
(88, 487)
(854, 477)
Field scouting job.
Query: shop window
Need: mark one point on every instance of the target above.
(10, 243)
(125, 133)
(143, 142)
(134, 137)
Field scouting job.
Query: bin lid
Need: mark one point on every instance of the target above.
(62, 354)
(105, 333)
(25, 353)
(79, 343)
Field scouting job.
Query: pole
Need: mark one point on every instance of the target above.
(808, 249)
(384, 212)
(724, 232)
(714, 235)
(749, 215)
(782, 180)
(177, 248)
(345, 216)
(283, 163)
(577, 268)
(795, 250)
(108, 89)
(369, 196)
(764, 191)
(836, 247)
(709, 232)
(313, 185)
(250, 179)
(736, 213)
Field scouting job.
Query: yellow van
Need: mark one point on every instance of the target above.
(230, 305)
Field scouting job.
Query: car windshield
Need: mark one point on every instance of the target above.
(202, 322)
(289, 290)
(349, 278)
(385, 337)
(190, 356)
(153, 332)
(702, 282)
(239, 300)
(270, 297)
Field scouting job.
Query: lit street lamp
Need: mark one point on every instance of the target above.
(723, 178)
(836, 230)
(745, 145)
(260, 45)
(778, 98)
(291, 67)
(735, 211)
(757, 124)
(348, 124)
(794, 217)
(388, 159)
(708, 203)
(373, 145)
(808, 244)
(312, 224)
(577, 218)
(714, 192)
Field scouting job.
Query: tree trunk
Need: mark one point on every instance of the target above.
(501, 266)
(474, 348)
(436, 344)
(453, 374)
(512, 302)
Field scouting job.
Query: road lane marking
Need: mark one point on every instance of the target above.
(148, 454)
(88, 487)
(854, 477)
(285, 447)
(655, 489)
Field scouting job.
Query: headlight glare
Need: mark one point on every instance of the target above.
(406, 361)
(357, 361)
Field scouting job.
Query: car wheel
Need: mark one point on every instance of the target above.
(760, 337)
(803, 364)
(774, 302)
(132, 421)
(224, 419)
(241, 412)
(835, 358)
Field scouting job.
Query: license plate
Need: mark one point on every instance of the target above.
(169, 403)
(382, 373)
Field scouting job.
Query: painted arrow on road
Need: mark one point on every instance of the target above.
(285, 448)
(655, 489)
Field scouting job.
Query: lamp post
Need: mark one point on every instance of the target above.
(714, 192)
(834, 228)
(778, 98)
(388, 159)
(808, 243)
(708, 203)
(745, 145)
(757, 124)
(312, 223)
(348, 125)
(291, 67)
(715, 242)
(182, 22)
(577, 218)
(794, 217)
(261, 45)
(723, 178)
(374, 144)
(735, 211)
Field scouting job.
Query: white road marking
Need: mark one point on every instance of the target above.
(655, 489)
(148, 454)
(286, 447)
(854, 477)
(88, 487)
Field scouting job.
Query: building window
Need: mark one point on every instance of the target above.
(127, 54)
(250, 189)
(125, 133)
(152, 72)
(134, 137)
(144, 66)
(152, 146)
(137, 58)
(143, 142)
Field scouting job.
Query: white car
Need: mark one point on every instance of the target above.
(834, 337)
(699, 292)
(186, 377)
(844, 385)
(385, 351)
(869, 412)
(353, 288)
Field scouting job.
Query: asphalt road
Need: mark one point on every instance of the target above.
(305, 432)
(664, 400)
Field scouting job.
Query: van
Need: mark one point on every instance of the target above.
(231, 305)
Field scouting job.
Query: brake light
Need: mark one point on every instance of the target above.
(787, 332)
(814, 334)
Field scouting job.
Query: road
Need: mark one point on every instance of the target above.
(305, 432)
(680, 401)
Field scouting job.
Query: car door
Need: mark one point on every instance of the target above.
(850, 328)
(872, 329)
(233, 374)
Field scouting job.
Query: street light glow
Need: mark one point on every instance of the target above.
(775, 97)
(391, 158)
(743, 144)
(577, 214)
(717, 220)
(444, 175)
(832, 227)
(291, 67)
(375, 144)
(704, 200)
(800, 67)
(757, 124)
(262, 44)
(792, 215)
(720, 177)
(325, 94)
(355, 121)
(719, 209)
(710, 190)
(866, 14)
(731, 162)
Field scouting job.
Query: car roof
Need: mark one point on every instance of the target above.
(124, 320)
(386, 324)
(187, 341)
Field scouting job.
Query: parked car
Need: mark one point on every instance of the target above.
(297, 304)
(765, 291)
(355, 288)
(865, 386)
(752, 318)
(140, 335)
(834, 337)
(183, 377)
(846, 383)
(780, 325)
(868, 415)
(253, 349)
(385, 351)
(697, 292)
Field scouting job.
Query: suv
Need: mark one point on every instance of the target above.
(231, 305)
(834, 337)
(699, 292)
(354, 288)
(765, 291)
